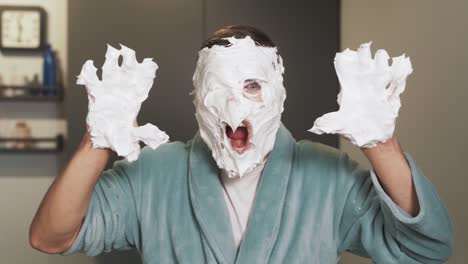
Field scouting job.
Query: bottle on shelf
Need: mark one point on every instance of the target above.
(50, 72)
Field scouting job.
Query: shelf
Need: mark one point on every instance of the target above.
(57, 145)
(37, 93)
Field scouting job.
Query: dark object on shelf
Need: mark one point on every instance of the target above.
(31, 93)
(49, 68)
(56, 145)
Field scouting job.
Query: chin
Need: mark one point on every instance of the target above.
(237, 162)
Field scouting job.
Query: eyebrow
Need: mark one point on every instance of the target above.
(255, 80)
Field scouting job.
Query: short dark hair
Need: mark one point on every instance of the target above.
(239, 32)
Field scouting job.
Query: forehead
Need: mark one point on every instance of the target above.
(242, 60)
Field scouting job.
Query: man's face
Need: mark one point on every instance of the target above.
(239, 97)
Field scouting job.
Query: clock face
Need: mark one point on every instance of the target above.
(21, 29)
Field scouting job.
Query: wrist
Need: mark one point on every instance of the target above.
(86, 142)
(390, 146)
(86, 145)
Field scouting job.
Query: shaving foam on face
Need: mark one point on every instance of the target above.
(114, 103)
(369, 98)
(221, 100)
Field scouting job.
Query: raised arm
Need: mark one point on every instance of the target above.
(395, 215)
(114, 103)
(373, 224)
(63, 208)
(394, 173)
(369, 103)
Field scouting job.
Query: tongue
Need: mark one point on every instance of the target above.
(239, 135)
(237, 138)
(237, 143)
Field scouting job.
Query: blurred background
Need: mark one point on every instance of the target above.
(43, 44)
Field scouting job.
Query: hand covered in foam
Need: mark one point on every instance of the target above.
(369, 98)
(114, 103)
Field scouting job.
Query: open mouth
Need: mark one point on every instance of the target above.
(240, 138)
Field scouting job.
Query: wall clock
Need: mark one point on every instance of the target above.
(22, 28)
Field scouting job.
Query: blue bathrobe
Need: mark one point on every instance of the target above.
(312, 203)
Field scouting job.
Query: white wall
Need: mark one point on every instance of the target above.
(433, 120)
(21, 194)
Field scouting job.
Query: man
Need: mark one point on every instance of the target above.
(243, 190)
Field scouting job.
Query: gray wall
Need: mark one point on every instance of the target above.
(171, 31)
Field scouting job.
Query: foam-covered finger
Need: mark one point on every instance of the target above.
(129, 56)
(364, 54)
(396, 90)
(88, 74)
(151, 135)
(149, 68)
(381, 59)
(401, 68)
(344, 59)
(330, 123)
(111, 64)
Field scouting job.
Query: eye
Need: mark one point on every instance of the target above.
(252, 86)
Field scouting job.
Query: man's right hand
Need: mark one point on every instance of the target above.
(114, 104)
(115, 101)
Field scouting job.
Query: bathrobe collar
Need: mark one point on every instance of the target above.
(211, 211)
